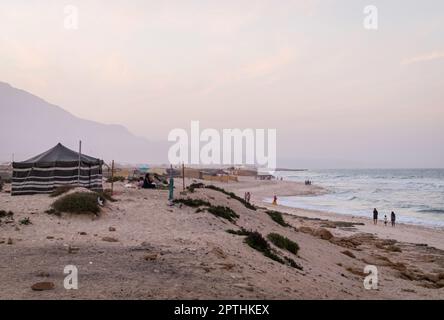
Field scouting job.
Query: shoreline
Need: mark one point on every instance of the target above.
(405, 232)
(352, 216)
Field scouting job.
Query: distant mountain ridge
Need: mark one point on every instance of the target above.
(30, 125)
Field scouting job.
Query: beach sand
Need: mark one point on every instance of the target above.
(402, 232)
(163, 252)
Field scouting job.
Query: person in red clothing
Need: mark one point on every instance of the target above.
(275, 199)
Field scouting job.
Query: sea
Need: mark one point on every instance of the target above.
(415, 195)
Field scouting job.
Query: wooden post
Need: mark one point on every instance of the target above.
(112, 178)
(183, 175)
(171, 185)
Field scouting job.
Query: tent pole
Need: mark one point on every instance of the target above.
(183, 175)
(112, 178)
(80, 153)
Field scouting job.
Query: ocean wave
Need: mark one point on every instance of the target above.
(432, 210)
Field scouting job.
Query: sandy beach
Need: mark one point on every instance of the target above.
(403, 232)
(141, 248)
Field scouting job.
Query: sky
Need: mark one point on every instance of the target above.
(337, 93)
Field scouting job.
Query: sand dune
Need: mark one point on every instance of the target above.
(175, 252)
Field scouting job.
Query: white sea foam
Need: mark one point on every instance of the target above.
(416, 195)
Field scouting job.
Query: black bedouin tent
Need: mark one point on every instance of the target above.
(56, 167)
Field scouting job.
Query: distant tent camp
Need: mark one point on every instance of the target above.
(56, 167)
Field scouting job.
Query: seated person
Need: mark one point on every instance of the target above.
(140, 183)
(148, 183)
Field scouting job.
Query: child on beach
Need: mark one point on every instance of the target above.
(140, 183)
(385, 220)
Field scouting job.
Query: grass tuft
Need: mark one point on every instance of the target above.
(193, 203)
(79, 202)
(25, 221)
(219, 211)
(6, 214)
(223, 212)
(277, 217)
(283, 243)
(196, 185)
(233, 196)
(258, 242)
(241, 232)
(293, 263)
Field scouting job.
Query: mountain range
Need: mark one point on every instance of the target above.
(30, 125)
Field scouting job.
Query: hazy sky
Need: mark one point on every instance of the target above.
(333, 90)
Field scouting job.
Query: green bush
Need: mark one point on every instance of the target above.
(219, 211)
(241, 232)
(233, 196)
(194, 203)
(60, 190)
(79, 202)
(6, 214)
(293, 263)
(25, 221)
(276, 216)
(273, 256)
(283, 243)
(223, 212)
(193, 186)
(258, 242)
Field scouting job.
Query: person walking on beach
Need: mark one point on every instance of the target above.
(275, 200)
(248, 196)
(393, 219)
(385, 220)
(375, 216)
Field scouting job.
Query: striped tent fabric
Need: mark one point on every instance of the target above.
(56, 167)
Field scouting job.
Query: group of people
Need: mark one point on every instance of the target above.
(146, 182)
(392, 218)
